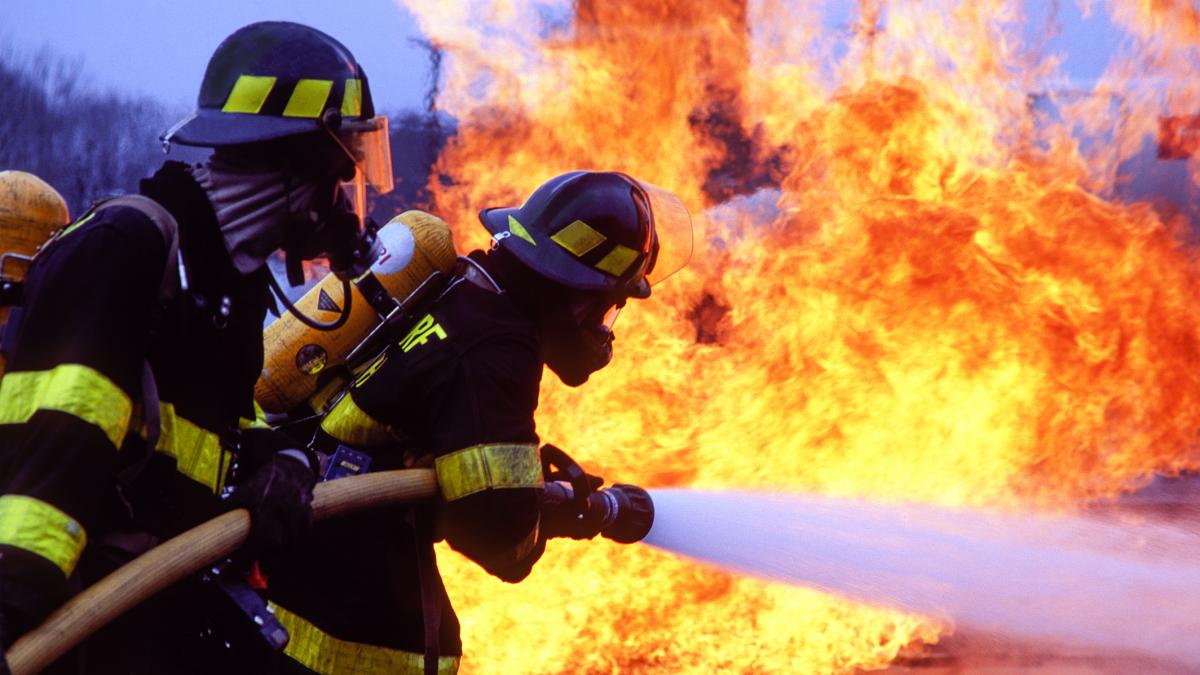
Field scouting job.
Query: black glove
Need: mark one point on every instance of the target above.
(8, 629)
(13, 624)
(279, 498)
(31, 587)
(518, 570)
(5, 641)
(561, 512)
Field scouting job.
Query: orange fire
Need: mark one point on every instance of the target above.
(902, 289)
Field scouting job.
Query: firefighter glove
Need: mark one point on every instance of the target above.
(279, 498)
(13, 624)
(562, 516)
(7, 635)
(30, 588)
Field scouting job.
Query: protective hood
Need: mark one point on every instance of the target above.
(255, 207)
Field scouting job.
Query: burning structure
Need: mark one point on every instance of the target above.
(911, 281)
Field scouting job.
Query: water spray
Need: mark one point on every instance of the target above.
(1089, 581)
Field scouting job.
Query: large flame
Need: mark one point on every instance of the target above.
(902, 289)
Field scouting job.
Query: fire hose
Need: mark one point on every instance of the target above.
(623, 512)
(190, 552)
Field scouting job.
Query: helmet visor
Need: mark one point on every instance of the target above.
(590, 310)
(610, 317)
(367, 142)
(356, 192)
(672, 230)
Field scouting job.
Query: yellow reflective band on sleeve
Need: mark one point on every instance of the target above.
(578, 238)
(248, 95)
(352, 98)
(370, 370)
(617, 261)
(488, 467)
(197, 452)
(308, 98)
(352, 426)
(70, 388)
(322, 653)
(35, 526)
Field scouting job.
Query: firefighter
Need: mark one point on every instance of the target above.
(127, 410)
(457, 391)
(30, 211)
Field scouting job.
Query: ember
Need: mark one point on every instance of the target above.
(903, 289)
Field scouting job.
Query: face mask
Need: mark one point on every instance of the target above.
(574, 358)
(261, 210)
(578, 337)
(333, 233)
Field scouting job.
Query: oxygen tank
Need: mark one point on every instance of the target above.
(30, 212)
(409, 248)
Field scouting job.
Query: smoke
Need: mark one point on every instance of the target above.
(1084, 581)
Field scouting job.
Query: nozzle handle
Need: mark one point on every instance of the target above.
(558, 465)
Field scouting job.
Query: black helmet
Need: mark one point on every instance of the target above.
(274, 79)
(597, 231)
(277, 79)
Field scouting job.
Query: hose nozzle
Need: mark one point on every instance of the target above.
(629, 513)
(623, 513)
(572, 506)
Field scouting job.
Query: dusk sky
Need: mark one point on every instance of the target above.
(160, 48)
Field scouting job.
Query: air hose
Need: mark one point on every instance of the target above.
(347, 298)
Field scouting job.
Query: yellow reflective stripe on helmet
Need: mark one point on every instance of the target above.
(617, 261)
(322, 653)
(197, 452)
(248, 95)
(35, 526)
(352, 98)
(488, 467)
(518, 229)
(578, 238)
(308, 98)
(350, 425)
(70, 388)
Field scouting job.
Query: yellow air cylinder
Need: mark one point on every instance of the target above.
(30, 211)
(410, 247)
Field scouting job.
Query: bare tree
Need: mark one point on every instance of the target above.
(86, 143)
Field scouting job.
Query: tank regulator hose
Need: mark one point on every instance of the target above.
(347, 299)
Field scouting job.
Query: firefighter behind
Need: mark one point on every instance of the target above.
(30, 211)
(127, 411)
(457, 391)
